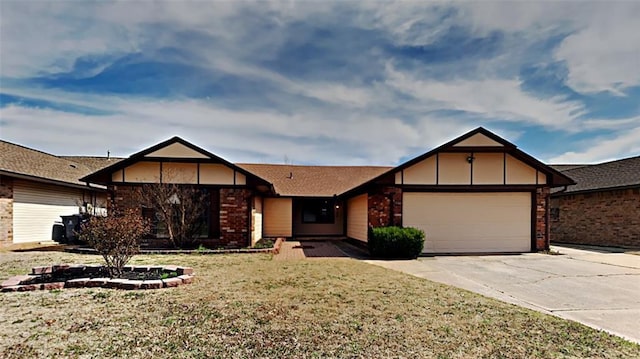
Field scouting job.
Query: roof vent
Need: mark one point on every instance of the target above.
(290, 176)
(73, 166)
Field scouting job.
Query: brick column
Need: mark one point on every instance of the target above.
(385, 207)
(235, 222)
(6, 211)
(542, 219)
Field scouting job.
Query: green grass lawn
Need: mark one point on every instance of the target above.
(249, 306)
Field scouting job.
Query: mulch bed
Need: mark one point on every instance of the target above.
(82, 275)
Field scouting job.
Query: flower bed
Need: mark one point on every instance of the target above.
(90, 275)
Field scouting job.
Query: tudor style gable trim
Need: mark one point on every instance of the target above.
(496, 160)
(172, 157)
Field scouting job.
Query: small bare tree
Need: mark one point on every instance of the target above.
(179, 207)
(116, 237)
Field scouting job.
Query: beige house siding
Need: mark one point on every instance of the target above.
(176, 150)
(488, 168)
(256, 220)
(142, 172)
(471, 222)
(423, 172)
(37, 206)
(277, 217)
(519, 172)
(478, 140)
(453, 168)
(175, 172)
(357, 226)
(215, 174)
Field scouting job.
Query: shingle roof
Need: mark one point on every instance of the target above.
(93, 163)
(567, 167)
(607, 175)
(23, 161)
(320, 181)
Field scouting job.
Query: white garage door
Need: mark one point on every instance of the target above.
(36, 206)
(470, 222)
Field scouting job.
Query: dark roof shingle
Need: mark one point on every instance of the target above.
(23, 161)
(607, 175)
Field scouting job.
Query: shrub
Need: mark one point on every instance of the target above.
(116, 237)
(396, 242)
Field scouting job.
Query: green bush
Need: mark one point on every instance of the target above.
(396, 242)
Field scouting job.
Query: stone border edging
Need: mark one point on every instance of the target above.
(87, 272)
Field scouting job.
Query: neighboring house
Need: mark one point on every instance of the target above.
(602, 208)
(477, 193)
(36, 188)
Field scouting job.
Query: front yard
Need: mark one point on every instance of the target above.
(250, 306)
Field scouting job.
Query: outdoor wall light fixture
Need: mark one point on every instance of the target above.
(470, 158)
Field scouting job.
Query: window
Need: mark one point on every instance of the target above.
(203, 227)
(318, 211)
(555, 214)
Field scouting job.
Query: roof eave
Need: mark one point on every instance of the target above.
(51, 181)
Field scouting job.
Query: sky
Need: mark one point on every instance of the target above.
(321, 82)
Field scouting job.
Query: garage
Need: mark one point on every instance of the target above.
(37, 206)
(471, 222)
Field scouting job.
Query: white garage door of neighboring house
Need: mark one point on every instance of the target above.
(470, 222)
(36, 206)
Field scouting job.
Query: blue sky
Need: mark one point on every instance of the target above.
(321, 82)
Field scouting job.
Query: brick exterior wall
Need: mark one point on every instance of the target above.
(6, 211)
(235, 218)
(385, 207)
(543, 234)
(606, 218)
(123, 197)
(235, 221)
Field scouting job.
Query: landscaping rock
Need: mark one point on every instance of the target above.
(115, 283)
(172, 282)
(11, 288)
(184, 270)
(96, 282)
(77, 283)
(131, 284)
(53, 285)
(151, 284)
(28, 287)
(186, 279)
(15, 280)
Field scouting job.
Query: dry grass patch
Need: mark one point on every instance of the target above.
(250, 306)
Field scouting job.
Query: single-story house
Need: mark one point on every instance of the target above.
(36, 188)
(476, 193)
(602, 208)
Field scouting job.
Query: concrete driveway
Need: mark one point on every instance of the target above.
(601, 290)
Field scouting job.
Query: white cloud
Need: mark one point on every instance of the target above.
(605, 54)
(307, 137)
(621, 144)
(488, 98)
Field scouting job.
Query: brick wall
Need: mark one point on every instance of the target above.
(607, 218)
(385, 207)
(542, 219)
(123, 197)
(6, 211)
(235, 219)
(235, 223)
